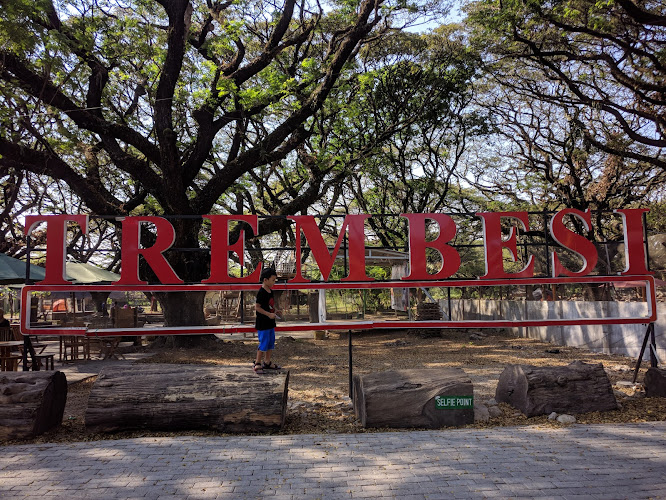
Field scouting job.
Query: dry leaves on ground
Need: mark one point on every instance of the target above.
(319, 376)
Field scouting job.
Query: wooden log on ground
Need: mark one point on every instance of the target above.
(171, 397)
(539, 390)
(655, 383)
(430, 398)
(31, 403)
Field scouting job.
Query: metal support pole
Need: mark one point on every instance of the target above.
(650, 330)
(351, 383)
(653, 348)
(646, 241)
(448, 293)
(25, 354)
(241, 301)
(27, 261)
(344, 253)
(546, 236)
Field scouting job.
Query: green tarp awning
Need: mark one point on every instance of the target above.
(13, 270)
(81, 273)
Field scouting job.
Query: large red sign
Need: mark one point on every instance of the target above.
(354, 227)
(495, 244)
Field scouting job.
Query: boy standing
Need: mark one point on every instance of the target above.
(265, 322)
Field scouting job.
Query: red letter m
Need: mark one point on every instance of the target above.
(324, 259)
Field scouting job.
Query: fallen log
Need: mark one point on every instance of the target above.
(539, 390)
(430, 398)
(170, 397)
(31, 403)
(655, 383)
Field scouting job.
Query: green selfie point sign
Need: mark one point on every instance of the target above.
(454, 402)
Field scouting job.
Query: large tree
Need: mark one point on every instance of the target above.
(178, 107)
(575, 91)
(540, 158)
(602, 62)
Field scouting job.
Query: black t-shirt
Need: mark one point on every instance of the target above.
(267, 303)
(4, 323)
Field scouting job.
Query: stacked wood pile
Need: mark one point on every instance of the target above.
(540, 390)
(31, 403)
(186, 397)
(427, 311)
(408, 398)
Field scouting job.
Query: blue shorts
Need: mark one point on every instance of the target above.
(266, 339)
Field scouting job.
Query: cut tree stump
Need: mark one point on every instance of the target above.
(655, 383)
(539, 390)
(430, 398)
(169, 397)
(31, 403)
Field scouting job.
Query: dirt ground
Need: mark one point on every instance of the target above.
(319, 377)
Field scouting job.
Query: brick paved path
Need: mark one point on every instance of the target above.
(581, 461)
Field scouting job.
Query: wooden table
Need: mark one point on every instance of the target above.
(9, 361)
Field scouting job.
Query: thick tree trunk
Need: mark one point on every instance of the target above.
(182, 308)
(186, 308)
(655, 383)
(99, 299)
(187, 397)
(540, 390)
(414, 398)
(31, 403)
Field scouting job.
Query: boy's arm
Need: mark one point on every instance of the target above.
(260, 310)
